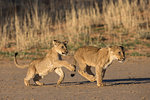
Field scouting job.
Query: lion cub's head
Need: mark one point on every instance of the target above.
(118, 53)
(61, 47)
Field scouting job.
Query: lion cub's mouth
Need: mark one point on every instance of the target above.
(64, 53)
(121, 60)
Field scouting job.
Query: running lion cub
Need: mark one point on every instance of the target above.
(100, 58)
(37, 69)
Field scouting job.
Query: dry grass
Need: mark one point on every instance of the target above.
(36, 29)
(129, 15)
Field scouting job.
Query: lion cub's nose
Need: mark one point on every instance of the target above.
(66, 52)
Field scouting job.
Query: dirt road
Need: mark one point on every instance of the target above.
(124, 81)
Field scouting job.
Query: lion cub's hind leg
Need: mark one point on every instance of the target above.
(36, 80)
(82, 72)
(30, 74)
(61, 74)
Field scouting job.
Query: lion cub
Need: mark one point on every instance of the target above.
(37, 69)
(100, 58)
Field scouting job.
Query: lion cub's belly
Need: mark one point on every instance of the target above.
(44, 67)
(91, 63)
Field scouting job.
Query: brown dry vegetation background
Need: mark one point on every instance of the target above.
(29, 26)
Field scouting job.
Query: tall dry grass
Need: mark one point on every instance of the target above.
(127, 14)
(37, 30)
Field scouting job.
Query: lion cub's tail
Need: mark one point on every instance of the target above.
(16, 63)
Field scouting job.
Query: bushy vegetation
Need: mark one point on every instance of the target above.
(90, 24)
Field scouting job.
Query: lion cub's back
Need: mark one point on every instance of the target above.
(86, 52)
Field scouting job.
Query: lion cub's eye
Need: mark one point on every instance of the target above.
(119, 53)
(62, 47)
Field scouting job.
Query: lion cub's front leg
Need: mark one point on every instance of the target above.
(64, 64)
(99, 76)
(61, 74)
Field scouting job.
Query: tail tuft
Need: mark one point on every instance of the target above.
(72, 75)
(16, 54)
(75, 63)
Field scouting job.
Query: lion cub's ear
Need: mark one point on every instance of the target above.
(65, 42)
(122, 48)
(56, 42)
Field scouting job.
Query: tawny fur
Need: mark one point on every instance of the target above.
(37, 69)
(100, 58)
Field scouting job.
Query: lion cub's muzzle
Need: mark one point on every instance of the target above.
(121, 59)
(65, 53)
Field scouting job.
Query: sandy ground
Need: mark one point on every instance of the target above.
(124, 81)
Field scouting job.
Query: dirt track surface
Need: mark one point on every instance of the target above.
(124, 81)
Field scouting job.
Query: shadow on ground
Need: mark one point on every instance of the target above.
(128, 81)
(109, 82)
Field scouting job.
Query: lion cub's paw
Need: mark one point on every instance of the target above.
(72, 68)
(92, 79)
(80, 72)
(26, 83)
(39, 83)
(100, 85)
